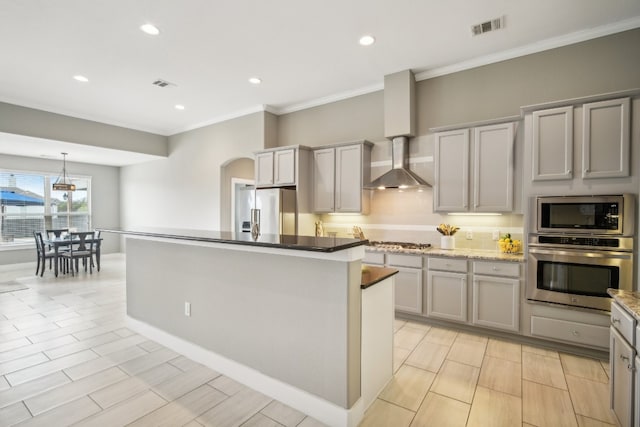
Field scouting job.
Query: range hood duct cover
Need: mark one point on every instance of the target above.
(400, 176)
(399, 125)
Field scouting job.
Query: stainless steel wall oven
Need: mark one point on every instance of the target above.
(582, 246)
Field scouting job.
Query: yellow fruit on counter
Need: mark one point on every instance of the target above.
(509, 245)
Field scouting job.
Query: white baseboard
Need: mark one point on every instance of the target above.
(314, 406)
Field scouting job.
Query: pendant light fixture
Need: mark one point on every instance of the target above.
(63, 183)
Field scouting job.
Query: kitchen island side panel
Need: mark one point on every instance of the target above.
(294, 319)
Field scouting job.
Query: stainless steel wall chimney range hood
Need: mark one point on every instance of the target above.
(399, 125)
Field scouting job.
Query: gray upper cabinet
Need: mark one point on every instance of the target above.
(493, 168)
(552, 144)
(277, 167)
(264, 169)
(324, 180)
(488, 159)
(451, 189)
(605, 139)
(604, 143)
(284, 167)
(339, 173)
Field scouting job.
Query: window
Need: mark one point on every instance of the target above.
(28, 203)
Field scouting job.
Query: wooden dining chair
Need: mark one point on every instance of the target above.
(81, 248)
(56, 233)
(43, 253)
(96, 250)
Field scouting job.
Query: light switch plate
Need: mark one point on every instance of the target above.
(187, 309)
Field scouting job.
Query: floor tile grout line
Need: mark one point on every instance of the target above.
(571, 398)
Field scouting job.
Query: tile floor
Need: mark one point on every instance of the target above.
(67, 358)
(444, 377)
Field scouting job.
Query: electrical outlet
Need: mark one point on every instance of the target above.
(495, 235)
(187, 309)
(469, 235)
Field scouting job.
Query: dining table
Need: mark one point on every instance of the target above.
(60, 242)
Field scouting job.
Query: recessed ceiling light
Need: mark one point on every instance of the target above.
(367, 40)
(179, 107)
(150, 29)
(255, 80)
(81, 78)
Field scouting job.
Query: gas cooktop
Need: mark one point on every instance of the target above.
(399, 245)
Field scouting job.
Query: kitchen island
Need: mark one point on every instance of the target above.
(284, 315)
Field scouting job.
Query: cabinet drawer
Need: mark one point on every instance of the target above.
(623, 322)
(506, 269)
(573, 332)
(400, 260)
(373, 258)
(448, 264)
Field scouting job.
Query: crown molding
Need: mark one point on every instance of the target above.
(223, 118)
(329, 99)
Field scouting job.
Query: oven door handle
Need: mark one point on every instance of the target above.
(603, 254)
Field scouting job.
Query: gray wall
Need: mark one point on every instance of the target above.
(360, 117)
(183, 191)
(237, 168)
(105, 198)
(41, 124)
(607, 64)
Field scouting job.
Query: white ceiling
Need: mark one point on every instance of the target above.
(306, 53)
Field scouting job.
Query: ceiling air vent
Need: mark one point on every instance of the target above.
(163, 83)
(485, 27)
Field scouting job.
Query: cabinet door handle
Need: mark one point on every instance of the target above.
(623, 357)
(614, 320)
(575, 333)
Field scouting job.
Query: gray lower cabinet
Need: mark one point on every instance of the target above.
(496, 295)
(621, 359)
(408, 282)
(408, 290)
(622, 356)
(496, 302)
(447, 289)
(636, 405)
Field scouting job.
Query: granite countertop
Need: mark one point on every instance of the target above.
(491, 255)
(372, 275)
(630, 300)
(282, 241)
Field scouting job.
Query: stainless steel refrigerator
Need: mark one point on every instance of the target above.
(278, 210)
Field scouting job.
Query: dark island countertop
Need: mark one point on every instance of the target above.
(372, 275)
(282, 241)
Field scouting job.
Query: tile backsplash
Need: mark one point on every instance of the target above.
(408, 217)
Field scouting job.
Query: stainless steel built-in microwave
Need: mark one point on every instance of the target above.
(593, 215)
